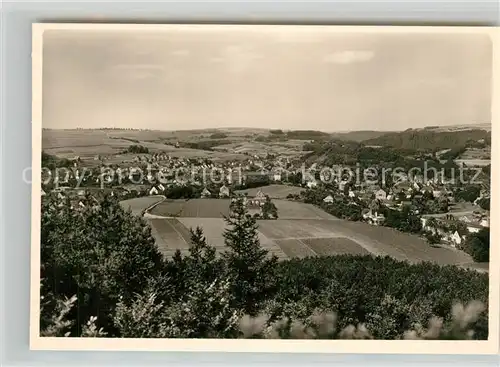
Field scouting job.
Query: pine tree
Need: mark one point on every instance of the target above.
(248, 265)
(202, 259)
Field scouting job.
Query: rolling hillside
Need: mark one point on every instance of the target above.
(429, 139)
(359, 136)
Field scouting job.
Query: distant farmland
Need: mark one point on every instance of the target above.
(87, 143)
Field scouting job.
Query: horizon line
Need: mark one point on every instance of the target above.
(267, 129)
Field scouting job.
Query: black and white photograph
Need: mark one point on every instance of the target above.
(262, 184)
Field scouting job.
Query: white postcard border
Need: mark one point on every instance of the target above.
(490, 346)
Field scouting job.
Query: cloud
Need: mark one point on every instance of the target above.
(237, 58)
(436, 82)
(349, 56)
(217, 59)
(150, 67)
(139, 71)
(180, 53)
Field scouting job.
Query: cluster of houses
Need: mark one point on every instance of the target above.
(445, 225)
(402, 193)
(175, 171)
(223, 192)
(80, 198)
(395, 197)
(158, 172)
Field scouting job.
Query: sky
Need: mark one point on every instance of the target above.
(284, 77)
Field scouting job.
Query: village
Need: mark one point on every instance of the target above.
(434, 202)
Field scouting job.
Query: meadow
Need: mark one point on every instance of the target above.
(218, 208)
(273, 191)
(301, 230)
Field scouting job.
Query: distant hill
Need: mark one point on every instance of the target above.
(349, 152)
(430, 139)
(359, 135)
(485, 126)
(307, 135)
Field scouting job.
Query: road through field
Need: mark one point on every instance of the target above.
(138, 205)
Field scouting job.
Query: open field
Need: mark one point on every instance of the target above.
(53, 139)
(196, 208)
(295, 210)
(110, 144)
(83, 143)
(304, 230)
(169, 236)
(295, 248)
(337, 245)
(173, 234)
(302, 238)
(87, 143)
(288, 229)
(213, 229)
(138, 205)
(285, 148)
(403, 246)
(273, 191)
(217, 208)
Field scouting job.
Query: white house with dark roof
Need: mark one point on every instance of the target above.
(455, 238)
(473, 227)
(485, 222)
(328, 199)
(260, 195)
(224, 191)
(258, 199)
(311, 184)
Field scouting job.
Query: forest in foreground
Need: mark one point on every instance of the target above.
(103, 276)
